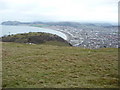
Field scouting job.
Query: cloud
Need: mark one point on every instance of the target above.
(61, 10)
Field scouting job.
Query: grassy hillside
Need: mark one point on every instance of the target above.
(38, 66)
(36, 38)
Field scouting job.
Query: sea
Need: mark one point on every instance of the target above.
(10, 29)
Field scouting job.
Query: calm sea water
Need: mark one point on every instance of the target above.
(6, 30)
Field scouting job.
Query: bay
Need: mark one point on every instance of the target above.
(7, 29)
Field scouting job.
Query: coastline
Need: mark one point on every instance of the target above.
(69, 37)
(28, 28)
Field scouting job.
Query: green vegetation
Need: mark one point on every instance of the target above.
(56, 43)
(36, 38)
(38, 66)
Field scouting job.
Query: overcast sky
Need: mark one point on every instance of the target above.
(59, 10)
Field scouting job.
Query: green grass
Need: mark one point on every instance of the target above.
(56, 43)
(47, 66)
(36, 38)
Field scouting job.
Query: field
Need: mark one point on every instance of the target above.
(48, 66)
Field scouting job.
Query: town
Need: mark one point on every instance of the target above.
(92, 37)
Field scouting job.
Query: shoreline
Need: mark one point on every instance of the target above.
(58, 33)
(68, 36)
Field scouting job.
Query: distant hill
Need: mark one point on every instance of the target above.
(11, 23)
(71, 24)
(19, 23)
(36, 38)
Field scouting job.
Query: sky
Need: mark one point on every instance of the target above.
(59, 10)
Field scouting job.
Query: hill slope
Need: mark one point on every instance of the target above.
(36, 38)
(38, 66)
